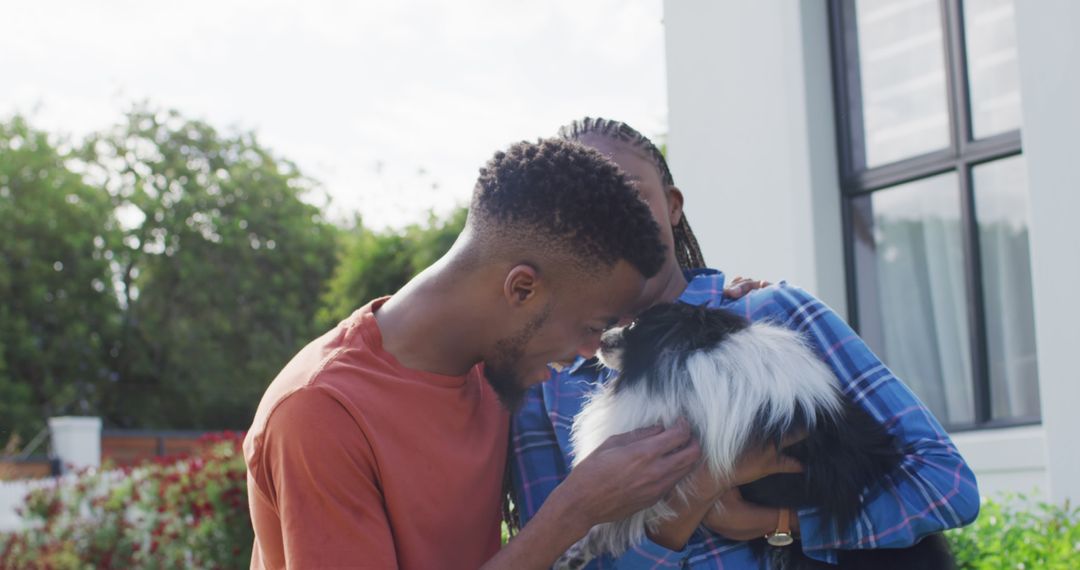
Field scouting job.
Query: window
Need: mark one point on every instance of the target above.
(935, 201)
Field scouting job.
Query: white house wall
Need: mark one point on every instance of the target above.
(751, 140)
(1007, 460)
(752, 145)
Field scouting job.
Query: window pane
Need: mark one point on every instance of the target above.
(902, 64)
(1001, 204)
(911, 290)
(993, 74)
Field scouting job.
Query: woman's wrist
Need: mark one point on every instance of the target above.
(746, 522)
(673, 533)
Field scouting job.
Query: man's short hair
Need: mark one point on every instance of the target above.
(561, 198)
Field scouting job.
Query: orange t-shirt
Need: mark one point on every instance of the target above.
(355, 461)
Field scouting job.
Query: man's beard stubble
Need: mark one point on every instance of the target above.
(500, 370)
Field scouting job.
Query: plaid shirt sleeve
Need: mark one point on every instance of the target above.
(537, 463)
(931, 490)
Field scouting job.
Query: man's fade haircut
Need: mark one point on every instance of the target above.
(687, 250)
(561, 198)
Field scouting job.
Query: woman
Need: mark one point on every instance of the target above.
(925, 497)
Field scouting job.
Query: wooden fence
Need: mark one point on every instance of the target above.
(128, 447)
(121, 447)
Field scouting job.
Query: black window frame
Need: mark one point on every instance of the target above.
(961, 156)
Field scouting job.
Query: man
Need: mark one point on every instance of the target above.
(383, 443)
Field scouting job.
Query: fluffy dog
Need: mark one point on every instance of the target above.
(742, 385)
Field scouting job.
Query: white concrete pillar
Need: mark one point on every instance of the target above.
(1049, 55)
(76, 441)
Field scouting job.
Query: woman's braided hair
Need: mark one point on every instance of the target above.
(687, 250)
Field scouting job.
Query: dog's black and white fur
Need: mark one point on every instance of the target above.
(742, 385)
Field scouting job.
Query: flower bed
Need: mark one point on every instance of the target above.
(191, 512)
(181, 512)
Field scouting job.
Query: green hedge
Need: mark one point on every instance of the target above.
(188, 512)
(1017, 533)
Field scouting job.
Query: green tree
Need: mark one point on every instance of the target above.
(373, 264)
(57, 306)
(221, 272)
(164, 273)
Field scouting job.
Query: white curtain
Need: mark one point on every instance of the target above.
(913, 303)
(924, 319)
(1001, 201)
(911, 258)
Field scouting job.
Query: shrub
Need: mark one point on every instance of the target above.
(184, 512)
(1016, 533)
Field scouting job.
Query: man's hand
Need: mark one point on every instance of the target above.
(628, 473)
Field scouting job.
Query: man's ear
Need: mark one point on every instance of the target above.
(522, 284)
(675, 204)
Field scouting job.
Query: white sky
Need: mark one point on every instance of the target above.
(377, 100)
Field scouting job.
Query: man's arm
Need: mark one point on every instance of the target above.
(629, 472)
(316, 470)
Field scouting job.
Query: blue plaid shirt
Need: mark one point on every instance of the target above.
(931, 490)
